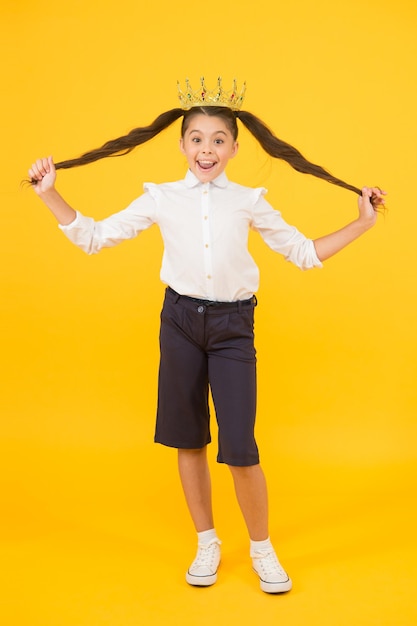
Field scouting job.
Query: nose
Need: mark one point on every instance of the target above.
(205, 148)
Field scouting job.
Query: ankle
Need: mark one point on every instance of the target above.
(206, 536)
(260, 546)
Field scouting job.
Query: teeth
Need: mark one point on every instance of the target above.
(206, 164)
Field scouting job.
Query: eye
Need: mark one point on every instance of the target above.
(220, 141)
(196, 140)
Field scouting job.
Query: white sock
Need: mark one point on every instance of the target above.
(260, 546)
(206, 536)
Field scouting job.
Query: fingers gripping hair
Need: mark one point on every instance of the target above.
(281, 150)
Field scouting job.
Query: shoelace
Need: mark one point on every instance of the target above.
(206, 554)
(269, 563)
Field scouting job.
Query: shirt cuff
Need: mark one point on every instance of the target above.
(317, 262)
(74, 222)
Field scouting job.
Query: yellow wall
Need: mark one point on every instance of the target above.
(337, 365)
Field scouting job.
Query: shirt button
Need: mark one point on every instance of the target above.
(205, 217)
(206, 246)
(200, 309)
(208, 276)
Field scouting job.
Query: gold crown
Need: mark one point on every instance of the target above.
(204, 97)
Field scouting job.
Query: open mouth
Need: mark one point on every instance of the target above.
(206, 165)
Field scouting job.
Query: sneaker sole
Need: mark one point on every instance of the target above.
(200, 581)
(275, 587)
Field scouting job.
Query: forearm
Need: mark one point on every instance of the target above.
(330, 244)
(58, 206)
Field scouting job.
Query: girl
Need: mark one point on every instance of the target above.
(206, 337)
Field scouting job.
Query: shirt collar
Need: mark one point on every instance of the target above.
(192, 181)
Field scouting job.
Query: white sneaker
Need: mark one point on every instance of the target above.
(203, 570)
(273, 578)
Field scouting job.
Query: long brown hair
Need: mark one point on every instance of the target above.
(273, 146)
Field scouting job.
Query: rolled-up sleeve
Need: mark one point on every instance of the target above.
(283, 238)
(91, 235)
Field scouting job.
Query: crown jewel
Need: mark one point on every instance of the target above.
(219, 97)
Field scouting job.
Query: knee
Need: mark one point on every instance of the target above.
(192, 453)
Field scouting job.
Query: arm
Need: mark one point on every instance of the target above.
(43, 176)
(368, 204)
(85, 232)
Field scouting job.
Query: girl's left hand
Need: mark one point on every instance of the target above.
(371, 200)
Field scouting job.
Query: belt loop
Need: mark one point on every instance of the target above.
(239, 306)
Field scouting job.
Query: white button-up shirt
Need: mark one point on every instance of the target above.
(205, 229)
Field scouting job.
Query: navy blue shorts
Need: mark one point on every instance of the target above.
(208, 346)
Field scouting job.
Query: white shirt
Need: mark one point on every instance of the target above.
(205, 229)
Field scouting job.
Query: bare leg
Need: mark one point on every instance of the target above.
(252, 496)
(196, 483)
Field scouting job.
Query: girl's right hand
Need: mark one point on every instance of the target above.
(43, 175)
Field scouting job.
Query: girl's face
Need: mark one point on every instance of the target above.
(208, 145)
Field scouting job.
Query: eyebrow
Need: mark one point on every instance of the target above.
(216, 132)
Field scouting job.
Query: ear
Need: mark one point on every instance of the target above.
(182, 145)
(235, 149)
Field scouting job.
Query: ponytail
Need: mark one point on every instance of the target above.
(281, 150)
(124, 145)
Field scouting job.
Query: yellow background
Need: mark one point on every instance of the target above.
(94, 530)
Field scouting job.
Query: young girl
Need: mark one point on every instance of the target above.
(206, 337)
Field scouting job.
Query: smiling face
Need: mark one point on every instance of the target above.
(208, 144)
